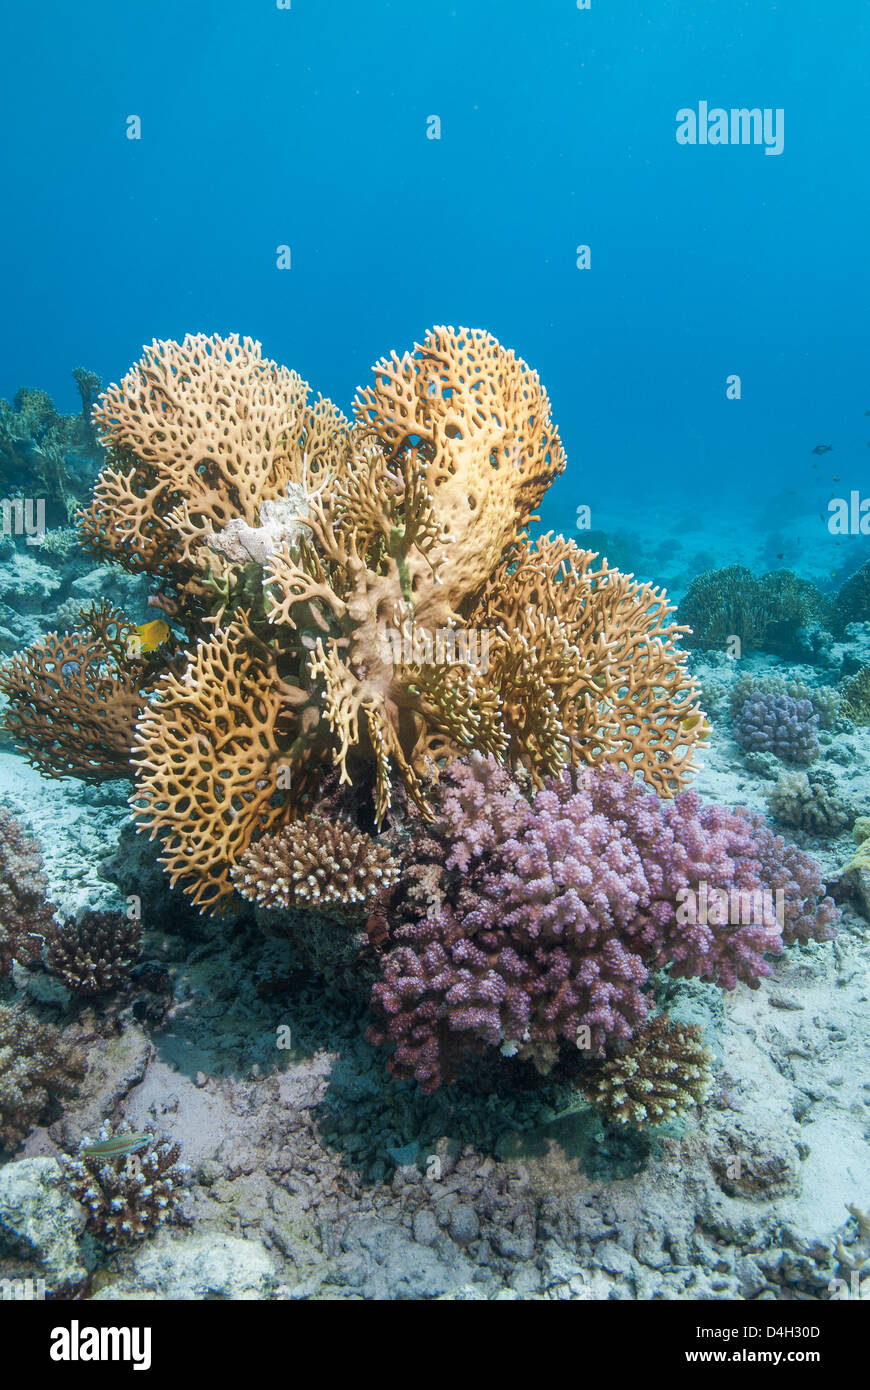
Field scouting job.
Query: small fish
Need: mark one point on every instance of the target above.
(119, 1146)
(833, 574)
(781, 555)
(149, 636)
(823, 448)
(699, 722)
(835, 478)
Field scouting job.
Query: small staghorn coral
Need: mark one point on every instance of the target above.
(327, 867)
(94, 954)
(126, 1198)
(361, 595)
(37, 1065)
(656, 1077)
(25, 916)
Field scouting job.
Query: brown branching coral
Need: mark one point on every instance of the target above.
(362, 597)
(37, 1065)
(94, 954)
(74, 700)
(126, 1197)
(25, 916)
(327, 867)
(660, 1074)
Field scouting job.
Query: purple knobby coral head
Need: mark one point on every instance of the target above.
(554, 912)
(771, 723)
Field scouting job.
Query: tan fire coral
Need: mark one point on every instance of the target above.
(201, 433)
(364, 596)
(594, 649)
(208, 762)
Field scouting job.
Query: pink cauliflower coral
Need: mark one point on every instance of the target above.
(554, 911)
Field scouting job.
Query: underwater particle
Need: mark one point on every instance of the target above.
(25, 915)
(95, 953)
(128, 1194)
(660, 1074)
(326, 867)
(37, 1065)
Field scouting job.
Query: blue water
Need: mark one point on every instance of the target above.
(307, 127)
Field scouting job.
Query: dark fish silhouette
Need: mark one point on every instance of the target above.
(823, 448)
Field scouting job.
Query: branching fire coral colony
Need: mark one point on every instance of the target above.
(500, 731)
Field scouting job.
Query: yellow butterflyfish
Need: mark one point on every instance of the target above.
(147, 637)
(699, 722)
